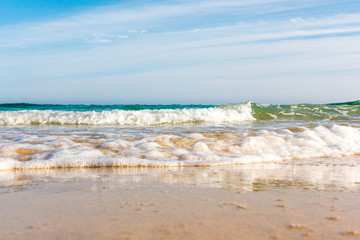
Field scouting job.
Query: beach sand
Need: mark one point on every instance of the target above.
(315, 199)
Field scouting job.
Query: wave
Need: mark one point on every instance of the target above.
(339, 111)
(147, 117)
(109, 148)
(352, 103)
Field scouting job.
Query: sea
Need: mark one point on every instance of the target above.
(48, 136)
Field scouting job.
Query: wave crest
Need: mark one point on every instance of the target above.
(234, 114)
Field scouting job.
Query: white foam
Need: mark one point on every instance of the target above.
(7, 163)
(157, 149)
(235, 114)
(201, 147)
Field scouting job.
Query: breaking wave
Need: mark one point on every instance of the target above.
(111, 148)
(146, 117)
(149, 115)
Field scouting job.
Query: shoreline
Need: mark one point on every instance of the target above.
(268, 201)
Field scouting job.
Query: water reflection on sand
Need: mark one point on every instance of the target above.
(316, 174)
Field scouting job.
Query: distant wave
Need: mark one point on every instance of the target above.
(94, 107)
(149, 115)
(347, 103)
(336, 111)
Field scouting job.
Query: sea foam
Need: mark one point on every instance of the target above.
(114, 148)
(235, 114)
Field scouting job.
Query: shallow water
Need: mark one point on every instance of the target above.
(325, 174)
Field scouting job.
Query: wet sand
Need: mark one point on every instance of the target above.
(292, 200)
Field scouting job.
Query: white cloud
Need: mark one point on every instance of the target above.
(333, 21)
(98, 40)
(297, 20)
(137, 31)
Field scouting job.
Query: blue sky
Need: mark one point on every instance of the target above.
(210, 52)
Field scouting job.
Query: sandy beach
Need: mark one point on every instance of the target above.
(289, 200)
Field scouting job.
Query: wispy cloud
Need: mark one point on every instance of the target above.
(177, 46)
(117, 20)
(136, 31)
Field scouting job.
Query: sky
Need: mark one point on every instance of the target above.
(164, 52)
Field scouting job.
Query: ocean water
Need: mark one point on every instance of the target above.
(41, 136)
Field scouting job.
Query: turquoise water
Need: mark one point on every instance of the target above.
(93, 107)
